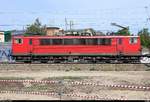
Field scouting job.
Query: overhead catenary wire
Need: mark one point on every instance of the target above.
(80, 18)
(64, 10)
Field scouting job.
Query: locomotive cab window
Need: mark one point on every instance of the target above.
(18, 41)
(133, 40)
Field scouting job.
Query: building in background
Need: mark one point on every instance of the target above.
(18, 32)
(51, 31)
(81, 32)
(2, 39)
(5, 36)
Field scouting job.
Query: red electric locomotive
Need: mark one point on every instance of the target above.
(76, 48)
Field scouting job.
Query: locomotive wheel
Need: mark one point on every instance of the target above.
(27, 61)
(44, 61)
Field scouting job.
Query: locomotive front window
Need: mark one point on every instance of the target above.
(18, 41)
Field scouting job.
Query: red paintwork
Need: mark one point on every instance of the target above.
(126, 48)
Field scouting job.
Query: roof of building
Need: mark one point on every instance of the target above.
(18, 32)
(52, 27)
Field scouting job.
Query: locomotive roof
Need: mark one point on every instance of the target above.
(74, 36)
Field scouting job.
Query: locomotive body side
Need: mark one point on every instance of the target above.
(69, 48)
(40, 46)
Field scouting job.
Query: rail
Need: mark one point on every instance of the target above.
(128, 87)
(60, 94)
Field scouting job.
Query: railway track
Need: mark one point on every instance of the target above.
(72, 63)
(114, 87)
(72, 95)
(72, 67)
(19, 63)
(105, 85)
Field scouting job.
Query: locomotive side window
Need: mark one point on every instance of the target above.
(74, 41)
(133, 40)
(82, 41)
(68, 41)
(18, 41)
(104, 41)
(92, 41)
(57, 41)
(77, 41)
(45, 41)
(107, 41)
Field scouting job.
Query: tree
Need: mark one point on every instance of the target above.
(36, 28)
(145, 37)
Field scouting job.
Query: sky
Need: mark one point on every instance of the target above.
(97, 14)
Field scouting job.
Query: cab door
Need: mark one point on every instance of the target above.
(30, 46)
(120, 45)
